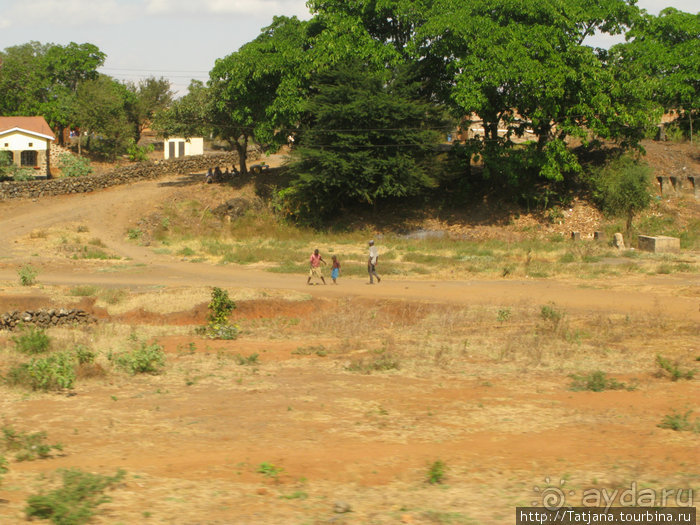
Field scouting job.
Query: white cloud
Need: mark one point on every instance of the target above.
(71, 12)
(229, 7)
(654, 6)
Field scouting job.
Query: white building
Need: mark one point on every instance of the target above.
(26, 142)
(178, 147)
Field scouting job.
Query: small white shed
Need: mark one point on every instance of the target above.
(175, 147)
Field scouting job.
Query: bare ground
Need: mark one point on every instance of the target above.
(490, 399)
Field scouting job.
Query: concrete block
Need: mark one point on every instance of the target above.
(599, 236)
(575, 236)
(619, 241)
(660, 244)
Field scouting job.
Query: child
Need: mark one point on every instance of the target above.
(335, 269)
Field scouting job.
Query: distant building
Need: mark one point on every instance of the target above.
(178, 147)
(26, 142)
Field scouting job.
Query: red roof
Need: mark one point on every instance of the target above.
(36, 125)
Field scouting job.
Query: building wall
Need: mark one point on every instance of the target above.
(17, 142)
(193, 146)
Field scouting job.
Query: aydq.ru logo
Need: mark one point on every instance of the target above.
(555, 496)
(552, 497)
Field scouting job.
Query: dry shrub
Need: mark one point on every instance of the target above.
(90, 371)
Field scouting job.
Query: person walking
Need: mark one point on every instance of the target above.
(315, 267)
(372, 263)
(335, 269)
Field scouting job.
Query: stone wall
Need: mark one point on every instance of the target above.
(45, 318)
(122, 175)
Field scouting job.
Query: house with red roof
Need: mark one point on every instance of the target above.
(26, 142)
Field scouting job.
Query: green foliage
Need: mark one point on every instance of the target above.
(75, 502)
(256, 92)
(3, 467)
(9, 171)
(663, 51)
(27, 275)
(188, 116)
(622, 188)
(54, 372)
(32, 341)
(551, 315)
(595, 381)
(73, 166)
(269, 470)
(673, 369)
(680, 422)
(436, 472)
(252, 359)
(134, 233)
(370, 137)
(504, 314)
(139, 153)
(42, 79)
(220, 307)
(149, 97)
(145, 359)
(381, 361)
(27, 446)
(84, 355)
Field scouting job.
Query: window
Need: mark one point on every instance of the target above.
(31, 144)
(28, 158)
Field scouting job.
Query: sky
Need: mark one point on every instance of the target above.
(175, 39)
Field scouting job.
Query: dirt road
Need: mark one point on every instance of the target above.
(109, 213)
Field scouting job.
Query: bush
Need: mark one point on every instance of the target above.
(147, 359)
(436, 472)
(27, 275)
(673, 369)
(72, 166)
(32, 341)
(596, 382)
(27, 446)
(75, 501)
(680, 422)
(621, 188)
(139, 153)
(54, 372)
(220, 308)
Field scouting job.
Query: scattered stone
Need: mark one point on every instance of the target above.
(235, 208)
(341, 507)
(619, 242)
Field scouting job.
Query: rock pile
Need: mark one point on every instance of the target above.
(45, 318)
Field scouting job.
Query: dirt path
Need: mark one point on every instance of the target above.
(108, 214)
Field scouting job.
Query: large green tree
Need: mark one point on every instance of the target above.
(150, 96)
(525, 66)
(188, 116)
(102, 115)
(257, 91)
(43, 79)
(369, 136)
(663, 52)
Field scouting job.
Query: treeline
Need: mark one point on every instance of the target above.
(367, 90)
(62, 84)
